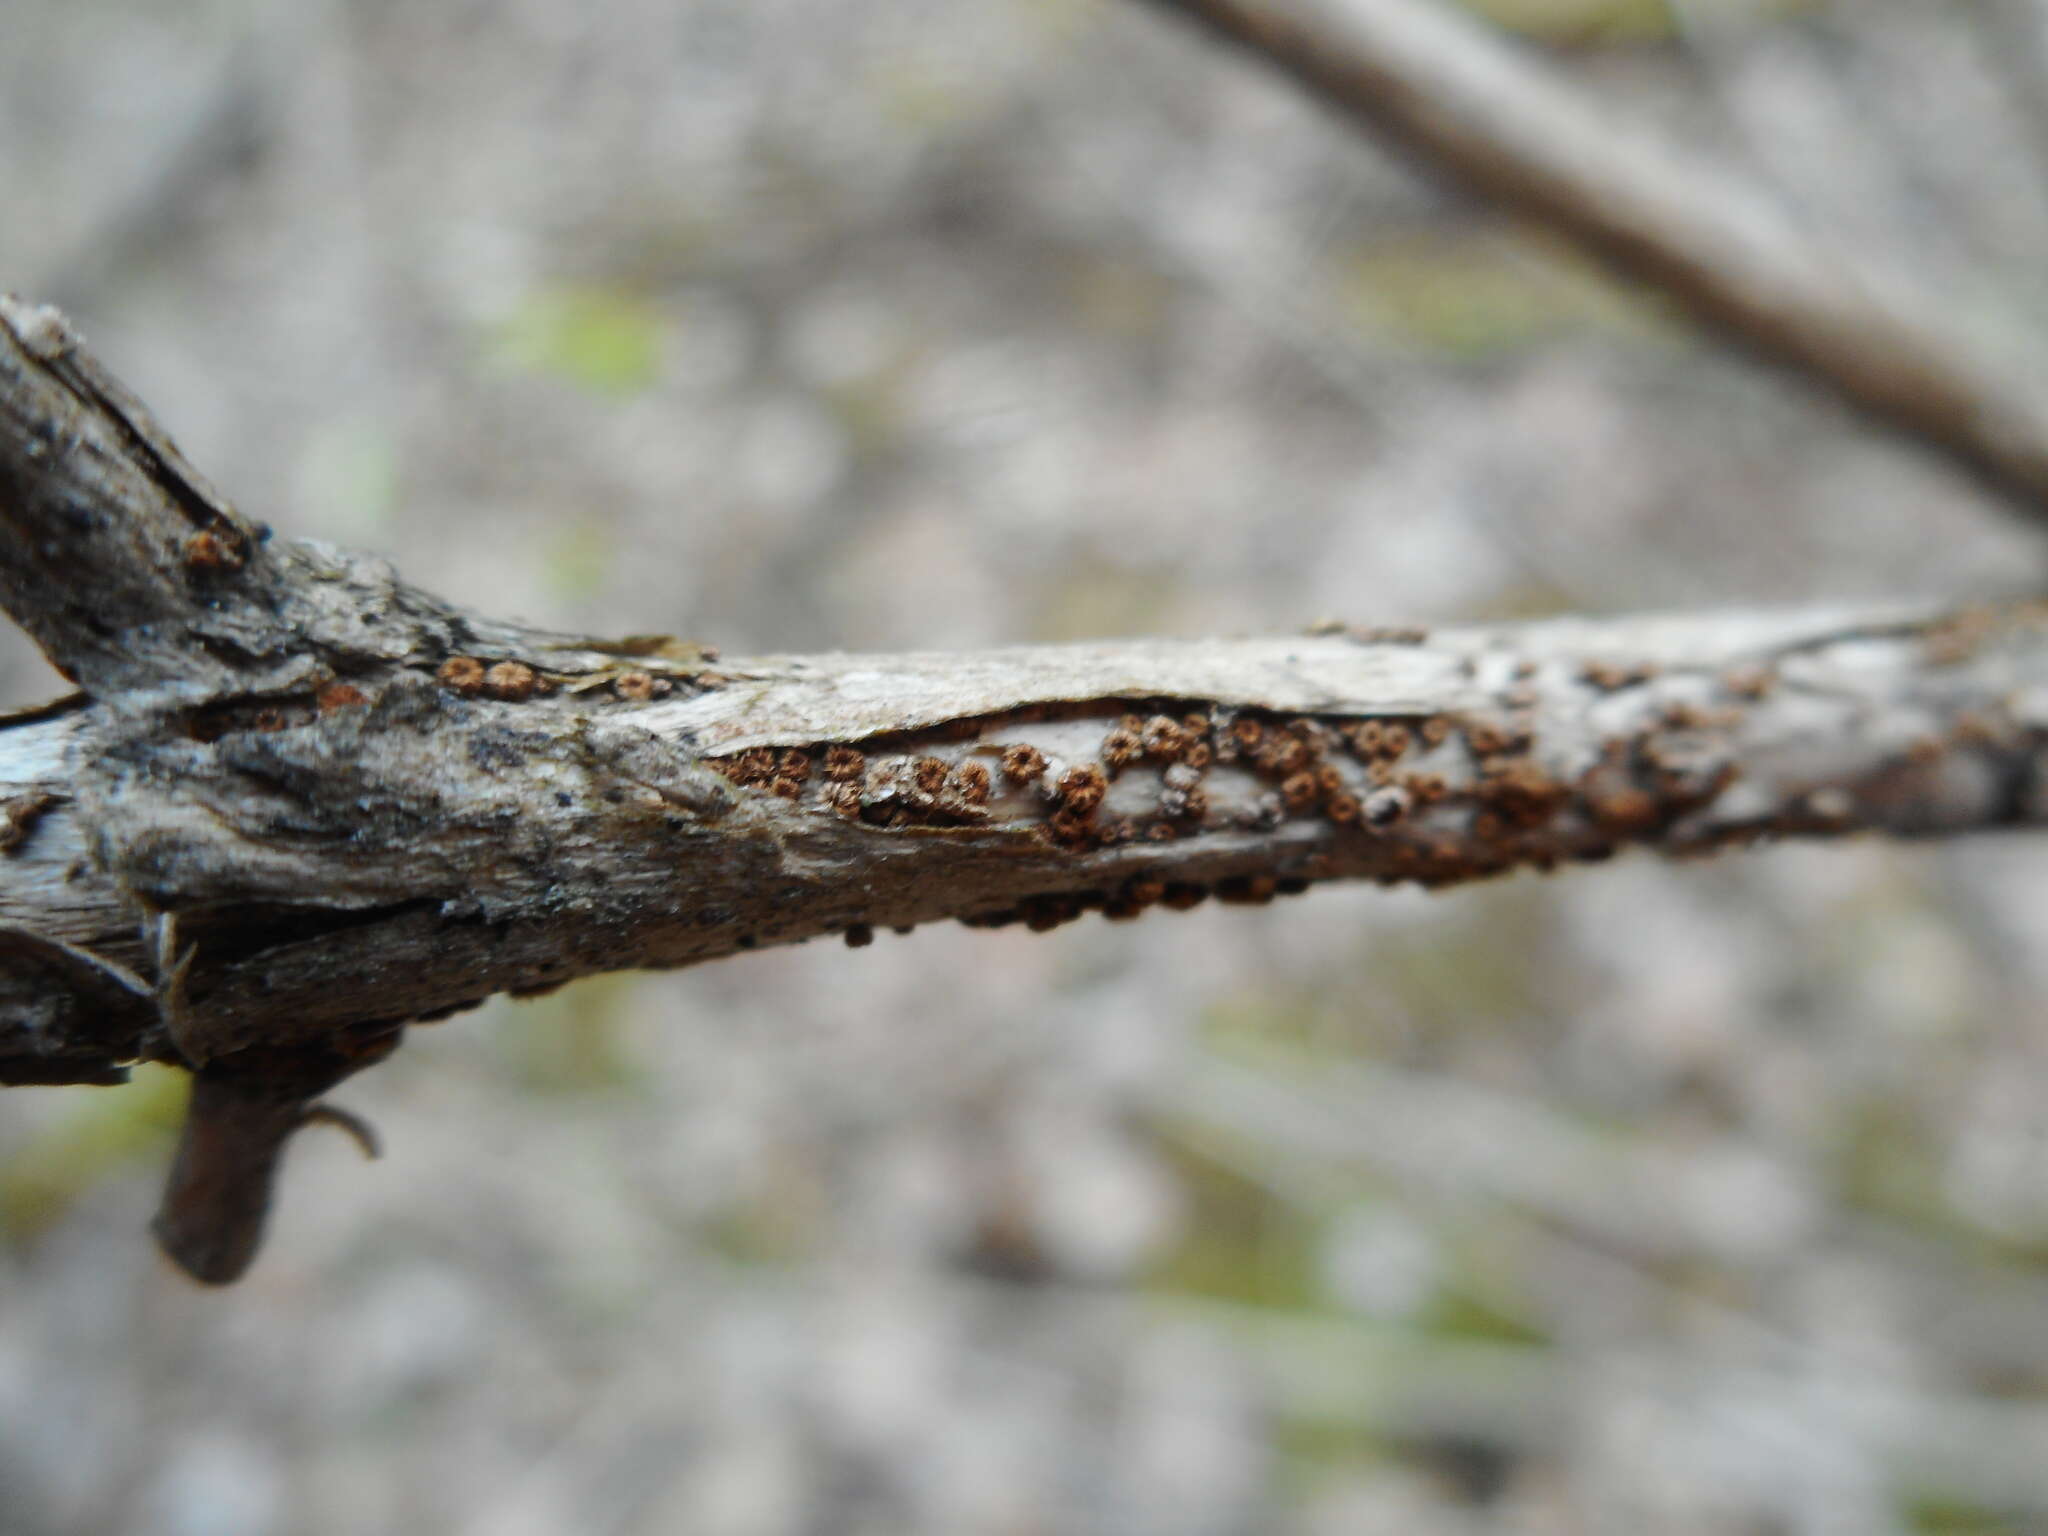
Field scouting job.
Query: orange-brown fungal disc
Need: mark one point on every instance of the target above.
(1146, 893)
(1621, 809)
(208, 550)
(1426, 788)
(1248, 733)
(512, 681)
(1283, 755)
(639, 687)
(971, 782)
(1042, 914)
(1121, 748)
(18, 816)
(1387, 634)
(844, 763)
(1611, 676)
(1974, 728)
(1001, 918)
(1955, 639)
(755, 766)
(1164, 737)
(1485, 738)
(1521, 792)
(1069, 828)
(1081, 789)
(1023, 764)
(1300, 792)
(461, 674)
(1247, 890)
(1436, 730)
(929, 775)
(1749, 681)
(338, 696)
(843, 799)
(1686, 715)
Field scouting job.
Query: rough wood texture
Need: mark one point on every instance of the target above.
(299, 803)
(1469, 103)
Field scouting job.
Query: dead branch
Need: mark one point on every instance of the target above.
(1442, 84)
(299, 804)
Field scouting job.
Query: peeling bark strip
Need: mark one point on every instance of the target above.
(300, 804)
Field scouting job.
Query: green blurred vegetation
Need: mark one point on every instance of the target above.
(776, 1219)
(99, 1132)
(1950, 1517)
(578, 558)
(1580, 21)
(571, 1041)
(1238, 1243)
(349, 479)
(604, 339)
(1473, 294)
(1120, 296)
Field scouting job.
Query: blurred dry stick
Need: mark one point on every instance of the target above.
(298, 803)
(1471, 103)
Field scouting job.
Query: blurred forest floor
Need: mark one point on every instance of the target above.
(1708, 1199)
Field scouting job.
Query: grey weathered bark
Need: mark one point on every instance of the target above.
(1442, 84)
(298, 803)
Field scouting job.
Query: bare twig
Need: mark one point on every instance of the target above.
(316, 803)
(1469, 103)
